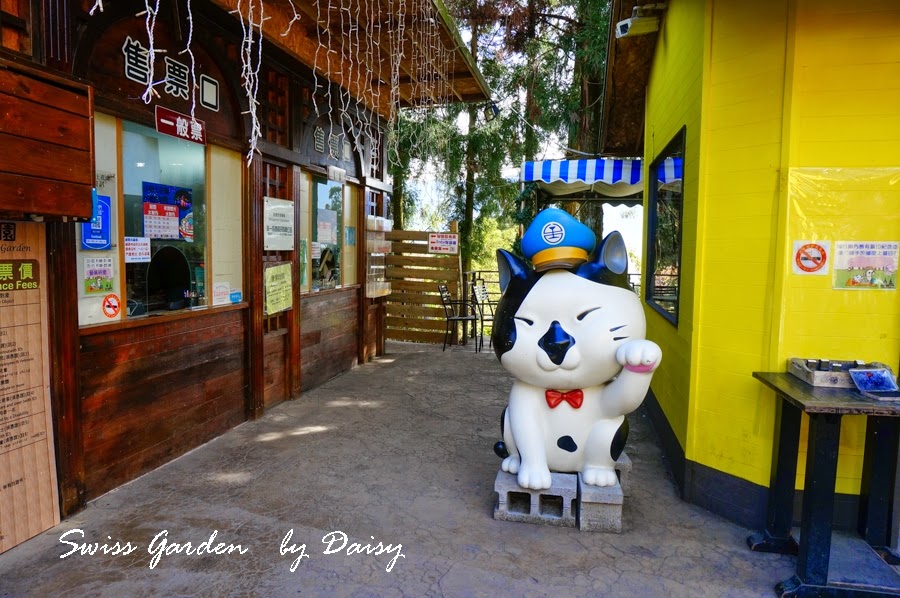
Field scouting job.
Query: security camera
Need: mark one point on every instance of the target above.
(636, 26)
(640, 22)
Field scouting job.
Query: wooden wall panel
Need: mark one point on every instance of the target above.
(274, 370)
(330, 335)
(152, 392)
(47, 165)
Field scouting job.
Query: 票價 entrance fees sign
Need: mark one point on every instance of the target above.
(28, 493)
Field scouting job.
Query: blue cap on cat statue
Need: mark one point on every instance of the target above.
(554, 239)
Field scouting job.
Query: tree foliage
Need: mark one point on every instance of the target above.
(543, 61)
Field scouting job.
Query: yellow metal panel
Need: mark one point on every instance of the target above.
(847, 84)
(674, 98)
(731, 430)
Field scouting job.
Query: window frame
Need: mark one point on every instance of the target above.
(194, 284)
(675, 146)
(315, 180)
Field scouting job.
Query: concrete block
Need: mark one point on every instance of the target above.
(599, 509)
(623, 470)
(553, 506)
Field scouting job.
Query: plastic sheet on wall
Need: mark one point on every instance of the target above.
(843, 210)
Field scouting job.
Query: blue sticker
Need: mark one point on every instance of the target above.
(235, 296)
(95, 234)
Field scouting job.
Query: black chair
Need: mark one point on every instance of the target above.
(456, 311)
(485, 308)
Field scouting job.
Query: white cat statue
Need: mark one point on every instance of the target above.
(572, 335)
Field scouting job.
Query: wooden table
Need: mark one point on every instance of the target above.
(866, 574)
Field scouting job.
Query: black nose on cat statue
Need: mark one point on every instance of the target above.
(556, 342)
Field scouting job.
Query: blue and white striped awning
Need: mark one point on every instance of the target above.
(602, 170)
(613, 177)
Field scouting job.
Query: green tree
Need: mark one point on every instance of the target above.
(543, 60)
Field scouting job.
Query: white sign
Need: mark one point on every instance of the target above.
(443, 243)
(866, 265)
(137, 250)
(221, 292)
(279, 224)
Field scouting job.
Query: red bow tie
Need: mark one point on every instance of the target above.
(573, 398)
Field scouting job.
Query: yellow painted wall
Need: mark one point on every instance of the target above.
(845, 117)
(673, 101)
(785, 86)
(731, 414)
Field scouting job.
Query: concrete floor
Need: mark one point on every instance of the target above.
(397, 451)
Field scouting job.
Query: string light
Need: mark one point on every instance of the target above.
(365, 67)
(193, 80)
(150, 25)
(294, 19)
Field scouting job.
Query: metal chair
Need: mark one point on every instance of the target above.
(485, 308)
(456, 311)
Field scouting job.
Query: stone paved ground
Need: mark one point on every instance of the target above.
(397, 451)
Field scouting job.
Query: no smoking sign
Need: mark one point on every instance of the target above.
(111, 306)
(811, 257)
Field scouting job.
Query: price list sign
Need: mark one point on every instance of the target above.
(27, 469)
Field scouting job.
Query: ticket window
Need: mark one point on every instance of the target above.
(160, 246)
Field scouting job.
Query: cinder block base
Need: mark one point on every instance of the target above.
(623, 469)
(553, 506)
(599, 509)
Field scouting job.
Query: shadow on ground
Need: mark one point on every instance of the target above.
(396, 452)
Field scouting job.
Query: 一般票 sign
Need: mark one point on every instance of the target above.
(866, 265)
(279, 224)
(175, 124)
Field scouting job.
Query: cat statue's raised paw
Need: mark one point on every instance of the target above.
(573, 338)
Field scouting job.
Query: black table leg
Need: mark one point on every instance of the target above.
(780, 510)
(818, 498)
(877, 487)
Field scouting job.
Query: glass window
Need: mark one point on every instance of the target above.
(665, 207)
(350, 232)
(304, 247)
(164, 181)
(327, 225)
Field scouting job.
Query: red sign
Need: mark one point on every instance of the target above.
(811, 257)
(111, 306)
(169, 122)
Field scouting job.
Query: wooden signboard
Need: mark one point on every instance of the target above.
(47, 162)
(28, 491)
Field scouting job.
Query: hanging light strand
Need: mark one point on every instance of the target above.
(192, 83)
(150, 26)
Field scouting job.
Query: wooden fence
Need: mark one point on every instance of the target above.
(414, 311)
